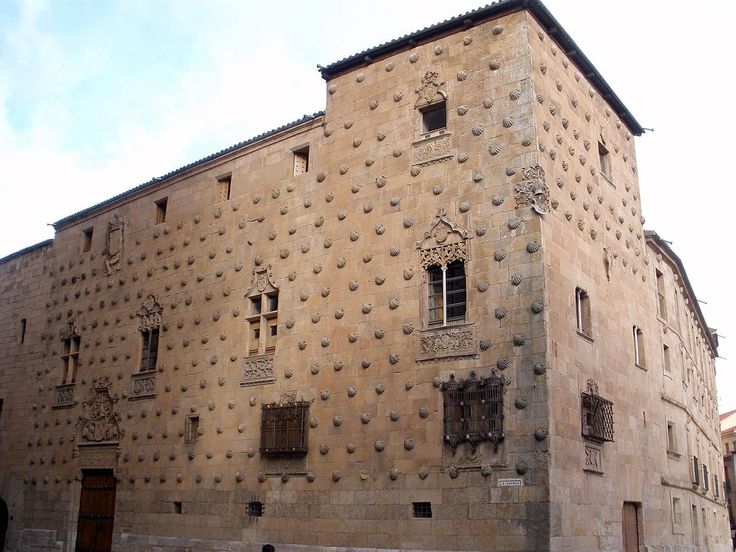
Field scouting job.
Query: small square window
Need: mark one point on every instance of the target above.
(605, 160)
(161, 210)
(434, 117)
(223, 187)
(422, 509)
(582, 312)
(87, 235)
(301, 161)
(255, 508)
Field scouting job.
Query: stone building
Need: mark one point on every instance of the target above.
(427, 318)
(728, 442)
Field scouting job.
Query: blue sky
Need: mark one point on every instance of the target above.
(97, 97)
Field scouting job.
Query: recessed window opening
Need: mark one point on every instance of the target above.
(22, 331)
(434, 117)
(638, 346)
(263, 323)
(661, 300)
(605, 161)
(422, 509)
(177, 506)
(87, 236)
(191, 429)
(223, 187)
(149, 350)
(301, 161)
(161, 210)
(676, 511)
(284, 429)
(255, 508)
(671, 437)
(70, 359)
(582, 312)
(666, 359)
(447, 294)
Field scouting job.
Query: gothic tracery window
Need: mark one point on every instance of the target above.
(150, 323)
(263, 297)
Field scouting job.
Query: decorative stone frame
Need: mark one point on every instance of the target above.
(150, 319)
(258, 368)
(434, 146)
(70, 336)
(445, 242)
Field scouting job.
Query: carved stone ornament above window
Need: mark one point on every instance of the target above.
(443, 243)
(99, 422)
(150, 314)
(70, 330)
(114, 244)
(429, 91)
(258, 371)
(262, 281)
(532, 190)
(447, 343)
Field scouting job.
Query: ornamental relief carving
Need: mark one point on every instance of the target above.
(114, 244)
(429, 90)
(262, 281)
(150, 314)
(144, 385)
(446, 342)
(532, 191)
(429, 151)
(258, 371)
(443, 243)
(99, 422)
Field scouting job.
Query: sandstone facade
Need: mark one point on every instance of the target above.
(304, 267)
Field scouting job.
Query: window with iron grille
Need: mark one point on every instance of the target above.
(255, 508)
(284, 428)
(473, 410)
(696, 471)
(422, 509)
(191, 429)
(596, 417)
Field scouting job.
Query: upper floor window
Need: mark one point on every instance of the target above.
(582, 312)
(661, 300)
(150, 322)
(70, 358)
(22, 331)
(301, 161)
(639, 359)
(87, 237)
(284, 428)
(696, 471)
(262, 317)
(667, 361)
(161, 210)
(223, 187)
(671, 437)
(596, 414)
(447, 293)
(191, 429)
(434, 117)
(605, 161)
(473, 410)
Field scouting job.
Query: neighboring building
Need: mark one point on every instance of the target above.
(728, 442)
(428, 318)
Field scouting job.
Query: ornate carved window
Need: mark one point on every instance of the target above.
(443, 253)
(596, 415)
(284, 428)
(263, 316)
(431, 104)
(70, 357)
(150, 322)
(473, 410)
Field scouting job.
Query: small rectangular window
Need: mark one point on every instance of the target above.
(177, 506)
(661, 299)
(666, 359)
(696, 471)
(605, 161)
(434, 117)
(22, 331)
(582, 312)
(301, 161)
(639, 359)
(422, 509)
(706, 481)
(223, 187)
(87, 236)
(70, 359)
(671, 437)
(1, 407)
(191, 429)
(161, 210)
(256, 305)
(255, 338)
(255, 508)
(149, 350)
(447, 294)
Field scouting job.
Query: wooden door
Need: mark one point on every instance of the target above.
(96, 511)
(630, 527)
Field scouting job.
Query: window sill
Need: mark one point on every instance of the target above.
(607, 179)
(641, 366)
(673, 455)
(431, 134)
(585, 336)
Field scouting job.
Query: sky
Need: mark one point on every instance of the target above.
(97, 97)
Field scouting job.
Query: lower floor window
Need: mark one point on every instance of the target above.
(473, 410)
(284, 428)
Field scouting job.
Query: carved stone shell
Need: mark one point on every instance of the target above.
(500, 313)
(302, 345)
(354, 235)
(393, 303)
(494, 64)
(367, 307)
(353, 285)
(380, 388)
(462, 75)
(519, 340)
(485, 344)
(481, 231)
(468, 40)
(497, 199)
(332, 89)
(352, 337)
(415, 170)
(344, 169)
(413, 57)
(407, 328)
(537, 307)
(398, 96)
(520, 403)
(373, 104)
(540, 434)
(380, 136)
(341, 262)
(462, 109)
(397, 152)
(540, 368)
(366, 363)
(424, 412)
(508, 122)
(482, 286)
(351, 448)
(352, 391)
(339, 313)
(379, 333)
(394, 250)
(408, 222)
(488, 103)
(477, 130)
(494, 148)
(336, 476)
(365, 417)
(408, 273)
(313, 422)
(462, 157)
(394, 416)
(324, 394)
(380, 229)
(499, 255)
(337, 420)
(502, 363)
(533, 246)
(379, 446)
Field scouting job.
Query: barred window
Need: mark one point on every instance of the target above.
(473, 410)
(596, 416)
(284, 428)
(191, 429)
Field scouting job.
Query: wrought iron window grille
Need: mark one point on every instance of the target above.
(284, 429)
(596, 415)
(473, 410)
(191, 429)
